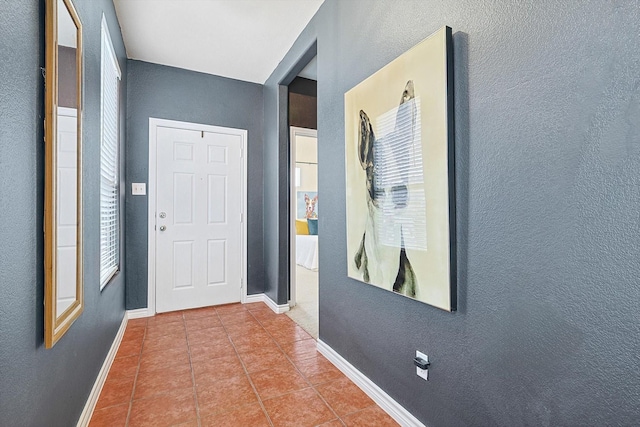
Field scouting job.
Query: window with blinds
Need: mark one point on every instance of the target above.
(109, 172)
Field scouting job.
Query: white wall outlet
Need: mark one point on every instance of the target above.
(138, 189)
(422, 373)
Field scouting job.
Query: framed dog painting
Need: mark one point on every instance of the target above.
(400, 175)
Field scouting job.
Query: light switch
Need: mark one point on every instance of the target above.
(424, 359)
(138, 189)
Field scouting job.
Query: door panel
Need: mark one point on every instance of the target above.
(217, 199)
(217, 251)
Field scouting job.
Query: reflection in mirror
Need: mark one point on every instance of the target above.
(67, 156)
(63, 185)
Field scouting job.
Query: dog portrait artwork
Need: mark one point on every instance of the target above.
(387, 163)
(310, 206)
(399, 174)
(307, 205)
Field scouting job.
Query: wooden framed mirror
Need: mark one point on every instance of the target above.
(63, 296)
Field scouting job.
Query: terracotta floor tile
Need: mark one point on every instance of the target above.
(255, 332)
(266, 345)
(163, 318)
(263, 359)
(211, 335)
(264, 315)
(278, 322)
(192, 423)
(224, 395)
(246, 416)
(129, 348)
(250, 343)
(372, 416)
(124, 366)
(171, 329)
(256, 306)
(300, 350)
(243, 317)
(151, 383)
(289, 334)
(133, 334)
(245, 329)
(298, 409)
(115, 416)
(163, 343)
(172, 335)
(137, 323)
(222, 368)
(230, 308)
(333, 423)
(162, 359)
(200, 312)
(344, 396)
(115, 391)
(278, 381)
(164, 410)
(203, 323)
(211, 350)
(318, 370)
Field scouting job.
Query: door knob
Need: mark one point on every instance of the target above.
(162, 228)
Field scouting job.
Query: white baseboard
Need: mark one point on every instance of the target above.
(386, 402)
(138, 313)
(279, 309)
(253, 298)
(92, 400)
(275, 307)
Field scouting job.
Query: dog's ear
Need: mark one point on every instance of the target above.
(407, 114)
(408, 93)
(306, 198)
(315, 199)
(366, 139)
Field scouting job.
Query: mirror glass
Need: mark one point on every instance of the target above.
(63, 199)
(67, 156)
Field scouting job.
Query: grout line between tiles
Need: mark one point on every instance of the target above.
(193, 375)
(135, 379)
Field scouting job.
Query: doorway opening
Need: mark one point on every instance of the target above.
(304, 200)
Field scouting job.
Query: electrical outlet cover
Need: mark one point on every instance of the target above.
(138, 189)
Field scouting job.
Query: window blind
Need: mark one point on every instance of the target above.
(109, 172)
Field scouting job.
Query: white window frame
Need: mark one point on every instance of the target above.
(109, 162)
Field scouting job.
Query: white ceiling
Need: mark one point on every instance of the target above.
(240, 39)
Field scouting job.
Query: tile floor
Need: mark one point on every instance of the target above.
(233, 365)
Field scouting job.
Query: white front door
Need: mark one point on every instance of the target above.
(198, 218)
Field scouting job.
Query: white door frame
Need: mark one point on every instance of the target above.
(293, 132)
(154, 124)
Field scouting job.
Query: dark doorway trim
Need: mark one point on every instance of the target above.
(284, 172)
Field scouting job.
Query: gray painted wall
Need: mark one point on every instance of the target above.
(171, 93)
(41, 387)
(547, 111)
